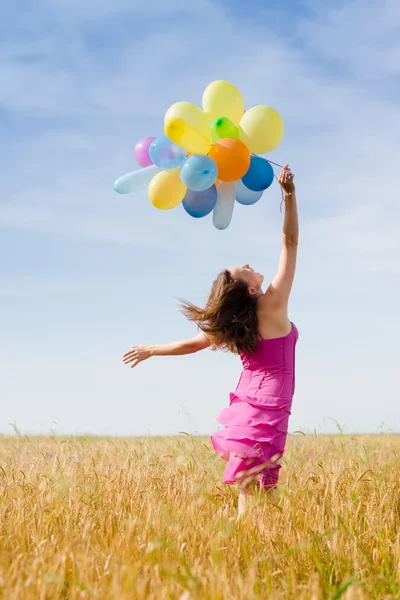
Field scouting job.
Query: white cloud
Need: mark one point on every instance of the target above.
(364, 39)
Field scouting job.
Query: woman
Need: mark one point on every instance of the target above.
(243, 319)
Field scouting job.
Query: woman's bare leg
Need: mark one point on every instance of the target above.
(268, 483)
(244, 494)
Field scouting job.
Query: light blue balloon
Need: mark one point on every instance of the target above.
(200, 204)
(260, 174)
(223, 210)
(136, 180)
(199, 172)
(246, 196)
(165, 154)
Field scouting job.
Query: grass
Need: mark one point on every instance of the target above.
(150, 519)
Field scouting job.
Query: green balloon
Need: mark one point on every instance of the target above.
(225, 128)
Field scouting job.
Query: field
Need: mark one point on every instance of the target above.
(150, 519)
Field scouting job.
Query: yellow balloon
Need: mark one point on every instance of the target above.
(223, 99)
(261, 129)
(187, 123)
(182, 134)
(166, 189)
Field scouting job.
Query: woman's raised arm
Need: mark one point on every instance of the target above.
(281, 285)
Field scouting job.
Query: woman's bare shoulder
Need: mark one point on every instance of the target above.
(272, 316)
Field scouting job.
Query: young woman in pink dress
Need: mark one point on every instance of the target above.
(240, 317)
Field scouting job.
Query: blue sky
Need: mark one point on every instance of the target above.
(86, 273)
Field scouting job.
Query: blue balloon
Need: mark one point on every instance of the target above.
(200, 204)
(199, 172)
(260, 174)
(165, 154)
(246, 196)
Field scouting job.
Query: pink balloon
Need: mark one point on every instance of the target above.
(142, 151)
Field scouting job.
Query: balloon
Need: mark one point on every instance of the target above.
(199, 172)
(186, 137)
(166, 154)
(200, 204)
(208, 157)
(166, 190)
(260, 174)
(246, 196)
(225, 128)
(223, 98)
(187, 126)
(223, 210)
(214, 135)
(232, 158)
(141, 152)
(261, 129)
(132, 182)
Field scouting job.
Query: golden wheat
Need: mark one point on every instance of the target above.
(150, 519)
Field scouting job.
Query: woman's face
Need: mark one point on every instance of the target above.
(253, 279)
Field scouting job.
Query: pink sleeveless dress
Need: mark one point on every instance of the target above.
(256, 422)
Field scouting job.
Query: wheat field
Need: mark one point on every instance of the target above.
(150, 519)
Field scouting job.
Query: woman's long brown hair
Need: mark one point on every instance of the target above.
(229, 318)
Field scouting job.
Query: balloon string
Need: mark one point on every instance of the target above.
(283, 198)
(276, 165)
(270, 161)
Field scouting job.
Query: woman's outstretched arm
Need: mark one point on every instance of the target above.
(138, 354)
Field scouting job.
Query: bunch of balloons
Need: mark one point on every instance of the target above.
(208, 158)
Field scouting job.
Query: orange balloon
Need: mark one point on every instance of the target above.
(232, 158)
(217, 182)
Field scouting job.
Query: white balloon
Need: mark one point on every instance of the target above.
(223, 210)
(136, 180)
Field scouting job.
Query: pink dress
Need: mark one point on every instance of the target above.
(256, 422)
